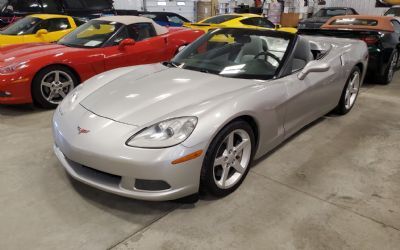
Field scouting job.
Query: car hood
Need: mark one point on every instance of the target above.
(29, 51)
(315, 20)
(136, 99)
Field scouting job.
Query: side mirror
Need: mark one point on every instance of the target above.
(41, 32)
(126, 42)
(181, 48)
(313, 66)
(278, 26)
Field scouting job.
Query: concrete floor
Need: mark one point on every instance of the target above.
(335, 185)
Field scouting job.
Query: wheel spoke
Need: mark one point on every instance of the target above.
(224, 176)
(62, 94)
(66, 84)
(46, 84)
(238, 167)
(229, 144)
(242, 145)
(51, 95)
(220, 161)
(354, 91)
(57, 76)
(348, 101)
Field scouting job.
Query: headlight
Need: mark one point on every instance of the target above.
(13, 67)
(164, 134)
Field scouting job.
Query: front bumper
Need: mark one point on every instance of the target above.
(108, 164)
(15, 89)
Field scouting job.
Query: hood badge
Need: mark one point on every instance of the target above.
(82, 130)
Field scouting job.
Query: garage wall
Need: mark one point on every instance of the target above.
(128, 4)
(185, 8)
(366, 7)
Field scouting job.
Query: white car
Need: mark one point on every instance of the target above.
(164, 131)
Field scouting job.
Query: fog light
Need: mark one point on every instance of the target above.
(5, 94)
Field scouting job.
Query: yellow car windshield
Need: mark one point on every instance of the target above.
(25, 26)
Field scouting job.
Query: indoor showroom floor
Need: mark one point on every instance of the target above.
(335, 185)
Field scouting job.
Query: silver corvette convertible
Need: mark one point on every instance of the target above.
(165, 131)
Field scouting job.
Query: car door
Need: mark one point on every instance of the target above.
(149, 48)
(311, 97)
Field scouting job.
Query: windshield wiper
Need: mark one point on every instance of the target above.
(170, 64)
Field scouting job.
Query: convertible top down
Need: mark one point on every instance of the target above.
(164, 131)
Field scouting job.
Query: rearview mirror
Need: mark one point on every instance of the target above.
(278, 26)
(313, 66)
(41, 32)
(126, 42)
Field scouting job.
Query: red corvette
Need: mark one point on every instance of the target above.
(45, 73)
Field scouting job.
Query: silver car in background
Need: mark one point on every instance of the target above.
(165, 131)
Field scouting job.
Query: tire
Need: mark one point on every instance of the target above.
(349, 93)
(235, 163)
(390, 69)
(47, 91)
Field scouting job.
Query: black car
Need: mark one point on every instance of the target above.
(323, 15)
(11, 10)
(380, 33)
(162, 18)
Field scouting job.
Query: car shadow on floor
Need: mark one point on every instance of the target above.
(19, 110)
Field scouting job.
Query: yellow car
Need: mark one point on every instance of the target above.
(237, 21)
(37, 28)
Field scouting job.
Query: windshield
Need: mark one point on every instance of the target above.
(23, 26)
(355, 21)
(330, 12)
(93, 34)
(236, 53)
(393, 12)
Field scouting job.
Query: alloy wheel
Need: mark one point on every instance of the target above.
(55, 85)
(232, 159)
(352, 90)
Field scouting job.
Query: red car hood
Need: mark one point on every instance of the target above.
(24, 52)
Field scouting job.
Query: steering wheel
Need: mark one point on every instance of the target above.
(266, 53)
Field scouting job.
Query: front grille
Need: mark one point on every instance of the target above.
(96, 175)
(151, 185)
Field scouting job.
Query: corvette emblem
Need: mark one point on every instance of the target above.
(82, 130)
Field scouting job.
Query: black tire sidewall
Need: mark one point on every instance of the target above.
(341, 108)
(385, 79)
(207, 183)
(37, 96)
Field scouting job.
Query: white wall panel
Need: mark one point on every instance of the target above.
(365, 7)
